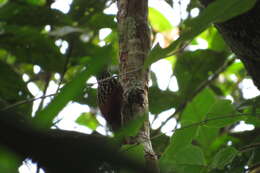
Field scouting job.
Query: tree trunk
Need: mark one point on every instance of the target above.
(242, 34)
(134, 43)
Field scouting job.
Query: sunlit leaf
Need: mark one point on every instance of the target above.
(36, 2)
(217, 11)
(158, 21)
(214, 39)
(3, 2)
(88, 119)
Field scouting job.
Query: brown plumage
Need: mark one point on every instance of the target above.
(109, 98)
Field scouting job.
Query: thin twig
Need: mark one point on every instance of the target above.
(47, 82)
(206, 121)
(116, 76)
(250, 147)
(45, 96)
(65, 67)
(26, 101)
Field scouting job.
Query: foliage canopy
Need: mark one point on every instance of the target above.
(69, 51)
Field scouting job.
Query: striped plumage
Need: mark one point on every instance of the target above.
(109, 98)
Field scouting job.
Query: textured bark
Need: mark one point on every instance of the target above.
(242, 34)
(134, 41)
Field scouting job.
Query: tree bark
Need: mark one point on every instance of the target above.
(134, 43)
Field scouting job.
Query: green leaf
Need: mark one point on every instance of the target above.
(201, 64)
(162, 100)
(197, 110)
(13, 89)
(230, 9)
(255, 154)
(254, 120)
(191, 155)
(90, 14)
(135, 152)
(187, 168)
(224, 157)
(30, 46)
(206, 136)
(158, 21)
(187, 158)
(90, 100)
(88, 119)
(214, 39)
(101, 20)
(160, 143)
(3, 2)
(70, 91)
(15, 13)
(222, 114)
(193, 113)
(217, 11)
(130, 129)
(9, 161)
(36, 2)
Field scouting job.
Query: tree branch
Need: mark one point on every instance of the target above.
(59, 151)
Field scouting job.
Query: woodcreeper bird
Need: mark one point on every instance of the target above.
(109, 98)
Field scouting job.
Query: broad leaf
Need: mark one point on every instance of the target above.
(158, 21)
(193, 113)
(191, 155)
(224, 157)
(136, 152)
(70, 91)
(162, 100)
(206, 136)
(10, 162)
(193, 68)
(13, 89)
(88, 119)
(36, 2)
(222, 114)
(130, 129)
(15, 13)
(31, 46)
(197, 110)
(217, 11)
